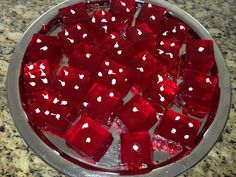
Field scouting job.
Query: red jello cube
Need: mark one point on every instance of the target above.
(136, 148)
(161, 91)
(55, 115)
(196, 92)
(124, 9)
(142, 37)
(200, 55)
(37, 77)
(153, 15)
(100, 103)
(103, 23)
(89, 139)
(71, 15)
(70, 38)
(117, 48)
(115, 76)
(174, 28)
(179, 128)
(145, 66)
(44, 47)
(138, 114)
(73, 83)
(86, 57)
(168, 53)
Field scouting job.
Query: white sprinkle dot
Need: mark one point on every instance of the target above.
(62, 83)
(113, 36)
(113, 19)
(170, 54)
(66, 73)
(100, 74)
(88, 55)
(127, 10)
(93, 20)
(173, 130)
(162, 99)
(64, 102)
(172, 44)
(190, 124)
(200, 49)
(38, 40)
(119, 52)
(140, 69)
(81, 76)
(113, 81)
(32, 76)
(165, 33)
(161, 88)
(72, 41)
(160, 51)
(72, 11)
(103, 20)
(116, 45)
(144, 57)
(107, 63)
(174, 30)
(85, 125)
(88, 140)
(190, 89)
(135, 109)
(123, 3)
(120, 70)
(31, 67)
(139, 32)
(105, 28)
(208, 80)
(85, 35)
(78, 27)
(186, 137)
(45, 96)
(45, 80)
(99, 99)
(76, 87)
(182, 27)
(46, 112)
(135, 147)
(85, 104)
(56, 100)
(44, 48)
(110, 72)
(66, 33)
(177, 117)
(58, 116)
(103, 13)
(111, 94)
(152, 17)
(162, 43)
(149, 5)
(37, 110)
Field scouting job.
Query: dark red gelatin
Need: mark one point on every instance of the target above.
(138, 114)
(72, 83)
(153, 15)
(100, 103)
(136, 148)
(115, 76)
(89, 139)
(72, 15)
(179, 128)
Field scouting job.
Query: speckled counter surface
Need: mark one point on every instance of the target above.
(16, 159)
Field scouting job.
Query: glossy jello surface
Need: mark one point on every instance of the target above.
(129, 87)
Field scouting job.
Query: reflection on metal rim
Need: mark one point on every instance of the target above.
(48, 155)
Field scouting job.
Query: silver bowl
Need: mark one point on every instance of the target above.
(56, 159)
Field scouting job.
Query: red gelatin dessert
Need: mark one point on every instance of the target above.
(73, 83)
(123, 9)
(197, 92)
(136, 148)
(142, 37)
(136, 82)
(44, 47)
(117, 48)
(100, 103)
(55, 115)
(37, 77)
(153, 15)
(161, 91)
(89, 139)
(144, 65)
(71, 37)
(200, 55)
(115, 76)
(72, 15)
(179, 128)
(138, 114)
(86, 57)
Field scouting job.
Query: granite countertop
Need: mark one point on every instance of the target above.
(16, 159)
